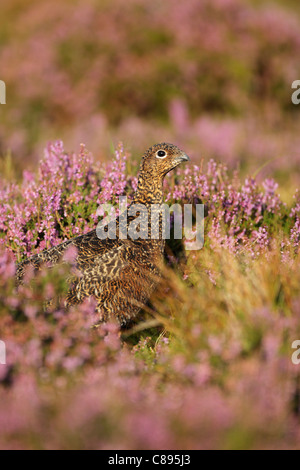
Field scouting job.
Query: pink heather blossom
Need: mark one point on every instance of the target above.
(196, 383)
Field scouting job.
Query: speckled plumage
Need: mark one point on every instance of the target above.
(120, 274)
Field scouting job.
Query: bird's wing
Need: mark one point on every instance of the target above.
(52, 256)
(89, 248)
(120, 279)
(104, 268)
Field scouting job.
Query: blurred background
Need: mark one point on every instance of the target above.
(213, 76)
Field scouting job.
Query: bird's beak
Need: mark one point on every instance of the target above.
(183, 158)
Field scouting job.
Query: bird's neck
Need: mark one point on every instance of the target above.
(149, 194)
(149, 190)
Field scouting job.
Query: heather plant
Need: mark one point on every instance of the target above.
(195, 71)
(208, 365)
(62, 200)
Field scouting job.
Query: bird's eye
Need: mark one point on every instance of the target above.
(161, 154)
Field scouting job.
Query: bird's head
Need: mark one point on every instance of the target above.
(162, 158)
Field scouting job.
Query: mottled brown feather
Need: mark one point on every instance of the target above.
(120, 274)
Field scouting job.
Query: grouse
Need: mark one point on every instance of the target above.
(121, 272)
